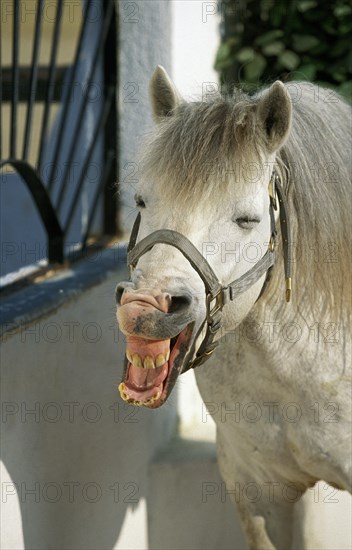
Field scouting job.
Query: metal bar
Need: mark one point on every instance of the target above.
(24, 76)
(33, 79)
(44, 208)
(108, 166)
(14, 99)
(50, 88)
(105, 125)
(101, 123)
(111, 77)
(74, 142)
(1, 98)
(63, 120)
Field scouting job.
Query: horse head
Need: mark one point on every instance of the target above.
(206, 218)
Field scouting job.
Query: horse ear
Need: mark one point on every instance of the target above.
(163, 94)
(275, 115)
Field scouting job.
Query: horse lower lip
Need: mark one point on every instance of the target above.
(152, 400)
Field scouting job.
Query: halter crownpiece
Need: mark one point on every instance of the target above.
(276, 189)
(218, 295)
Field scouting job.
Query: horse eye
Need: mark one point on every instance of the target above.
(139, 201)
(245, 222)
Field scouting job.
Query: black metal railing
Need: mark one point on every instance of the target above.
(52, 84)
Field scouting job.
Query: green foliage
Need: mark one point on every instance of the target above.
(287, 39)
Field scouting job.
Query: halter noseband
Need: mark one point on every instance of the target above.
(218, 295)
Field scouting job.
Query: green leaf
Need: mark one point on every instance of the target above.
(278, 15)
(289, 60)
(328, 28)
(321, 50)
(338, 77)
(307, 71)
(339, 49)
(274, 48)
(268, 37)
(306, 5)
(344, 29)
(224, 52)
(254, 69)
(245, 54)
(266, 5)
(345, 89)
(301, 39)
(342, 11)
(305, 42)
(223, 57)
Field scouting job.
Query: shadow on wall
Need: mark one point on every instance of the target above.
(189, 507)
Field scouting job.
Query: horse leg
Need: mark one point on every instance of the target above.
(268, 524)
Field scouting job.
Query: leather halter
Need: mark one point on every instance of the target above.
(218, 295)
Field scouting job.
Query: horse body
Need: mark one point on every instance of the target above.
(278, 386)
(281, 425)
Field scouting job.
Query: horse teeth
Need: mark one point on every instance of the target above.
(123, 394)
(137, 361)
(154, 398)
(160, 360)
(135, 402)
(148, 362)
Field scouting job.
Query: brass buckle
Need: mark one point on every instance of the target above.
(210, 351)
(217, 307)
(288, 289)
(272, 244)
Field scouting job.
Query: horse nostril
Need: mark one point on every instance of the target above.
(179, 303)
(119, 290)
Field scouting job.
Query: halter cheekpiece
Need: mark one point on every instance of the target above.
(217, 295)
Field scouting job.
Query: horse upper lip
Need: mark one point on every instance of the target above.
(129, 297)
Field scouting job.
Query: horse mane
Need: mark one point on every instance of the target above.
(196, 149)
(315, 168)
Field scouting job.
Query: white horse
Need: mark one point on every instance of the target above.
(278, 385)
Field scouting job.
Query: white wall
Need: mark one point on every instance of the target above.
(64, 428)
(195, 37)
(145, 42)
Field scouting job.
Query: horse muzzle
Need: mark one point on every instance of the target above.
(158, 327)
(152, 314)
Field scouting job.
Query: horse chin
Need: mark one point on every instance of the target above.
(153, 366)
